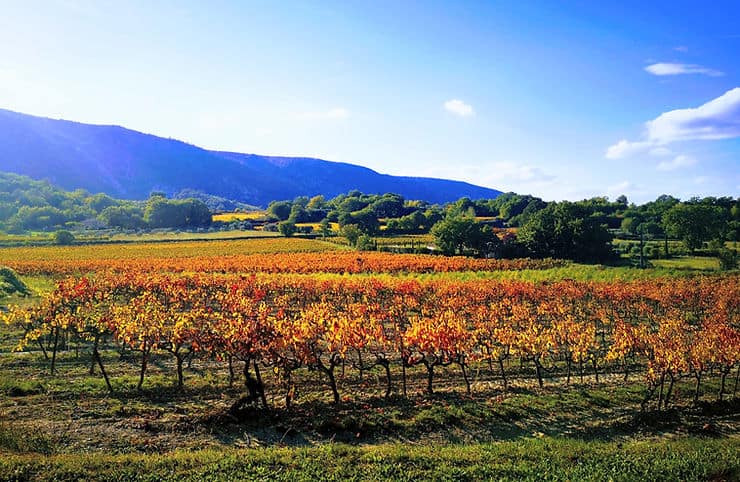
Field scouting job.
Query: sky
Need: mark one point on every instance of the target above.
(562, 100)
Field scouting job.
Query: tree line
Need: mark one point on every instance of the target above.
(30, 205)
(581, 230)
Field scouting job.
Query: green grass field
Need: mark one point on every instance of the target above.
(548, 459)
(688, 263)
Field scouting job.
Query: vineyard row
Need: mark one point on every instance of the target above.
(666, 329)
(64, 262)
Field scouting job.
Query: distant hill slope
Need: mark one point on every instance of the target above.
(129, 164)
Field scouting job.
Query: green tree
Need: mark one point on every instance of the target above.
(365, 243)
(124, 217)
(366, 220)
(351, 204)
(98, 202)
(196, 212)
(63, 238)
(297, 214)
(316, 202)
(411, 223)
(727, 258)
(287, 228)
(388, 206)
(455, 234)
(566, 230)
(325, 228)
(164, 213)
(161, 213)
(36, 218)
(694, 224)
(352, 233)
(462, 207)
(629, 225)
(280, 209)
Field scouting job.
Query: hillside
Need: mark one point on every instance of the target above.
(128, 164)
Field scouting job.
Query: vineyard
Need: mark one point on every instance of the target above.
(663, 330)
(249, 256)
(201, 351)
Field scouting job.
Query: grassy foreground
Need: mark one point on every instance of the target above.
(532, 459)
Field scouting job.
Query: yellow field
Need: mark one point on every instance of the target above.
(187, 236)
(317, 226)
(229, 217)
(184, 249)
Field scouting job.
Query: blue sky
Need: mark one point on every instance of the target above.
(564, 100)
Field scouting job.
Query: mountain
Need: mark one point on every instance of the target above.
(128, 164)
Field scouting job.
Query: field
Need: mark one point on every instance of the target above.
(180, 249)
(116, 237)
(229, 217)
(278, 359)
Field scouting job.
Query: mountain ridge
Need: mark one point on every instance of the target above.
(130, 164)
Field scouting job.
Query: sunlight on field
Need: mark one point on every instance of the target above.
(183, 236)
(229, 217)
(316, 227)
(701, 263)
(184, 249)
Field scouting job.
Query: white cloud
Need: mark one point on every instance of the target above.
(664, 68)
(677, 163)
(681, 48)
(331, 114)
(717, 119)
(660, 151)
(458, 107)
(625, 148)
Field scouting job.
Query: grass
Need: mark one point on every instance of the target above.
(13, 387)
(420, 240)
(537, 460)
(690, 263)
(574, 271)
(74, 411)
(67, 427)
(110, 236)
(191, 236)
(15, 440)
